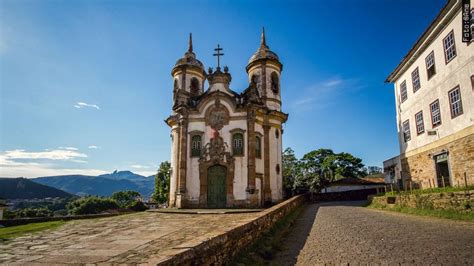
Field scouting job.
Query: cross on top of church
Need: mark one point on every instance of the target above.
(218, 54)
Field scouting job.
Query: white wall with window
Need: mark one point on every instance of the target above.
(434, 90)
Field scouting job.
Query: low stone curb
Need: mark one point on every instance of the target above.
(222, 248)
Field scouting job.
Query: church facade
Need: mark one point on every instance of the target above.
(226, 146)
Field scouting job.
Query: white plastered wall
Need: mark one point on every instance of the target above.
(457, 72)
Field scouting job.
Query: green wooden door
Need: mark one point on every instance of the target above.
(216, 186)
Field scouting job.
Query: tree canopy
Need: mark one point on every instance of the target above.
(316, 169)
(162, 183)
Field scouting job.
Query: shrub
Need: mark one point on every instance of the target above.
(125, 199)
(34, 212)
(91, 205)
(138, 206)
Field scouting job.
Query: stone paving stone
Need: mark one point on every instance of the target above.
(342, 232)
(130, 239)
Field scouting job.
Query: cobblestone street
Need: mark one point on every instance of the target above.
(343, 232)
(142, 237)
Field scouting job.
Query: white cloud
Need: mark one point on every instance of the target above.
(21, 163)
(80, 105)
(58, 154)
(324, 93)
(69, 148)
(37, 170)
(94, 147)
(144, 170)
(139, 166)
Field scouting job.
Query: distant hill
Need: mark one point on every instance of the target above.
(102, 185)
(23, 188)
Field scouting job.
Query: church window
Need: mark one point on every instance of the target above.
(275, 85)
(175, 85)
(258, 147)
(277, 133)
(196, 146)
(254, 80)
(277, 168)
(194, 86)
(238, 144)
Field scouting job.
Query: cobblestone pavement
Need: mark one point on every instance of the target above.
(342, 232)
(134, 238)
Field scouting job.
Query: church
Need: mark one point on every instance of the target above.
(226, 146)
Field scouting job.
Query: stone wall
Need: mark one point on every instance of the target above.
(462, 201)
(421, 169)
(220, 249)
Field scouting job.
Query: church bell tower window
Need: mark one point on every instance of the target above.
(238, 144)
(196, 146)
(194, 88)
(275, 83)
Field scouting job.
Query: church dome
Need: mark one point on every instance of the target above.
(263, 51)
(189, 58)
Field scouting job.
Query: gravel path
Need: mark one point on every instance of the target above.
(344, 232)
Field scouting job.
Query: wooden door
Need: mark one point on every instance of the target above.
(216, 186)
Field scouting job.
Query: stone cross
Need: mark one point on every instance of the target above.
(218, 54)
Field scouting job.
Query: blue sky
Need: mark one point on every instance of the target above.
(86, 85)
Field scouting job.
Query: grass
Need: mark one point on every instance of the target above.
(431, 190)
(447, 214)
(16, 231)
(263, 250)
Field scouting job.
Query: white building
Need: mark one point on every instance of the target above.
(434, 89)
(226, 146)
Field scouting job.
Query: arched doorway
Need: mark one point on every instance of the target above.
(216, 186)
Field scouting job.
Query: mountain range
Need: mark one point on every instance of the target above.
(101, 185)
(23, 188)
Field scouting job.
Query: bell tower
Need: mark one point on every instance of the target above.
(263, 70)
(188, 77)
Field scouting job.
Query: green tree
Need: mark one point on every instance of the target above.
(320, 167)
(291, 171)
(91, 205)
(162, 183)
(349, 165)
(125, 199)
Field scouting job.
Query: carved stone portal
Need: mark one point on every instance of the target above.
(216, 152)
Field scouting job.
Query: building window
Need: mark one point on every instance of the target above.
(277, 133)
(403, 91)
(406, 130)
(420, 126)
(194, 88)
(455, 102)
(277, 168)
(196, 145)
(415, 79)
(258, 147)
(430, 65)
(435, 114)
(238, 144)
(449, 47)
